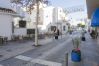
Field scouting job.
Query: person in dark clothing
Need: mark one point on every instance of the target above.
(93, 34)
(56, 33)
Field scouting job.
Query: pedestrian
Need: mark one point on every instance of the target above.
(56, 33)
(83, 35)
(92, 34)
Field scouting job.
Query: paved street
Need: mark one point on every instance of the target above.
(44, 52)
(49, 33)
(54, 52)
(11, 49)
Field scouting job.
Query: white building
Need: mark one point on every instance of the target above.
(48, 16)
(59, 19)
(22, 15)
(7, 17)
(45, 18)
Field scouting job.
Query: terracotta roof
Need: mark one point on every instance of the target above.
(7, 10)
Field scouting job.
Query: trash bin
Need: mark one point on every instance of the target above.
(83, 38)
(76, 55)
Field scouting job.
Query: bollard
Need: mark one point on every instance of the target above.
(66, 59)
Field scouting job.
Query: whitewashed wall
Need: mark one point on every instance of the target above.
(20, 32)
(61, 29)
(48, 17)
(66, 28)
(6, 25)
(55, 15)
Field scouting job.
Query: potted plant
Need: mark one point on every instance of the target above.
(76, 42)
(76, 53)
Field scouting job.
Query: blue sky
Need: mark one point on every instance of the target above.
(67, 3)
(71, 3)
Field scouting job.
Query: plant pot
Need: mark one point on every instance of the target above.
(76, 55)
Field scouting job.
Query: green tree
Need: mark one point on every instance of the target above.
(80, 25)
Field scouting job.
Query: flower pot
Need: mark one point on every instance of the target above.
(76, 55)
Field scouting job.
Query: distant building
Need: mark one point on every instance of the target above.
(49, 16)
(60, 20)
(45, 18)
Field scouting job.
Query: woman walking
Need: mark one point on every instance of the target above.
(56, 33)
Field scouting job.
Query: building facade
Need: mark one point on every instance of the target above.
(49, 16)
(6, 18)
(8, 14)
(60, 19)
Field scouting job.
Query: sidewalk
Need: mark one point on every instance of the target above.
(90, 53)
(12, 49)
(15, 48)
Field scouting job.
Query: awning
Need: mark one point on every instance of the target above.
(10, 12)
(91, 6)
(95, 18)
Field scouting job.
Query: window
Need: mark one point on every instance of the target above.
(64, 28)
(53, 28)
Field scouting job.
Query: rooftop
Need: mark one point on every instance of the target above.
(7, 10)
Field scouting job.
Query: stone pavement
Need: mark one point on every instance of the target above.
(90, 53)
(89, 49)
(12, 49)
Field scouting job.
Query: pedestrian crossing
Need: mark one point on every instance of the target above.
(24, 58)
(38, 61)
